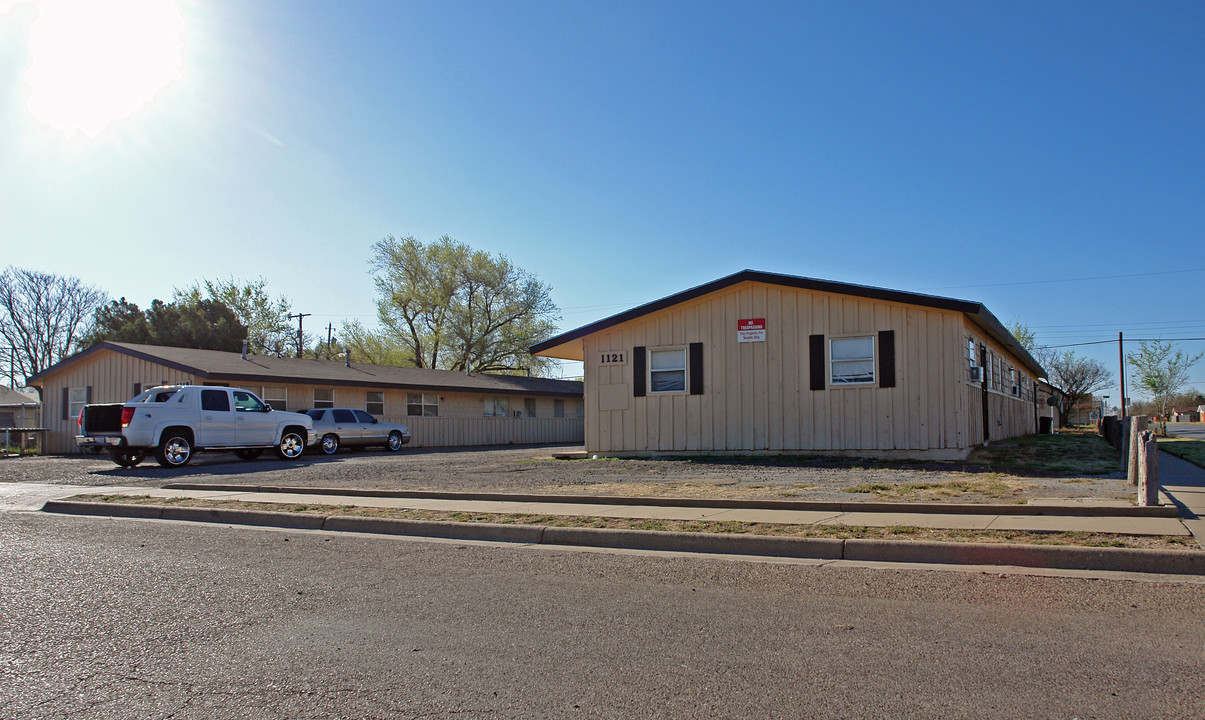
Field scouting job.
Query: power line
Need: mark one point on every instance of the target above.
(1066, 280)
(1109, 342)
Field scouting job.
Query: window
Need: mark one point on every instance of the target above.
(423, 404)
(316, 414)
(277, 396)
(246, 402)
(343, 415)
(667, 370)
(364, 417)
(77, 398)
(324, 397)
(497, 407)
(558, 408)
(374, 402)
(851, 360)
(215, 400)
(529, 407)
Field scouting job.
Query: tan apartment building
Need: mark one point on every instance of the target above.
(441, 408)
(763, 362)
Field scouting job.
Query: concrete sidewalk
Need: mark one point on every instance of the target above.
(1053, 518)
(1184, 484)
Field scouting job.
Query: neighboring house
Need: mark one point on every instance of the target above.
(442, 408)
(19, 411)
(1186, 414)
(762, 362)
(1048, 414)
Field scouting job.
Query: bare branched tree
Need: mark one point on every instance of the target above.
(43, 316)
(1078, 377)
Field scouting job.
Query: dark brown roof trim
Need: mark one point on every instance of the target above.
(115, 348)
(975, 309)
(270, 378)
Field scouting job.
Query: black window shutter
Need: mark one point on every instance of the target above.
(137, 389)
(696, 368)
(66, 403)
(816, 360)
(887, 358)
(88, 394)
(638, 360)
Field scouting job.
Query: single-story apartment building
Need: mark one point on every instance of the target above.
(763, 362)
(441, 407)
(1185, 414)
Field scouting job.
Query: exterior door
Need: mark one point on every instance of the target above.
(256, 426)
(218, 425)
(347, 427)
(370, 430)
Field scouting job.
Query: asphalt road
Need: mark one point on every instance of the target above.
(1189, 430)
(125, 618)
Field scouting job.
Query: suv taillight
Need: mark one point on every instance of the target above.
(80, 420)
(127, 414)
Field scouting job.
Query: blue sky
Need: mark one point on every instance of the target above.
(1045, 159)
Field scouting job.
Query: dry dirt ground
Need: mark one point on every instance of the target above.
(534, 470)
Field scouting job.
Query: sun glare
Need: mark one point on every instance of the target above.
(93, 63)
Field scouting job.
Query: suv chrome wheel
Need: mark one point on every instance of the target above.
(291, 446)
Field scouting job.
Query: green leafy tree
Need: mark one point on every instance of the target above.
(445, 305)
(190, 323)
(119, 321)
(1160, 372)
(269, 330)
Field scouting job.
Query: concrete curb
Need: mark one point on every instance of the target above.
(878, 507)
(1169, 562)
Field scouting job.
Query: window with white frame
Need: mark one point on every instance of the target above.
(497, 406)
(77, 398)
(374, 402)
(277, 396)
(324, 398)
(422, 404)
(667, 370)
(529, 407)
(851, 360)
(558, 408)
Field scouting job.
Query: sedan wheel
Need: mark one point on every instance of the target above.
(330, 443)
(395, 442)
(291, 446)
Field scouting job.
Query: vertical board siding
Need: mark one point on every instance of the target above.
(758, 396)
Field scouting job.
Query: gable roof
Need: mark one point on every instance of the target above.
(10, 397)
(217, 366)
(977, 313)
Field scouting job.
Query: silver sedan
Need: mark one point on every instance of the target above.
(339, 427)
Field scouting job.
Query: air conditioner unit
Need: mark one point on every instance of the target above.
(976, 374)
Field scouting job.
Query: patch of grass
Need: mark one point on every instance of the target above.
(1073, 452)
(900, 532)
(1185, 448)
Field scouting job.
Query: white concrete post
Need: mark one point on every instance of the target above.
(1148, 483)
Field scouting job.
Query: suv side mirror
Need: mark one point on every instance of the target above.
(267, 408)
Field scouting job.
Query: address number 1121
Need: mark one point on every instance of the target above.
(613, 358)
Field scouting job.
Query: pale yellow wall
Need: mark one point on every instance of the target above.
(461, 418)
(111, 376)
(757, 395)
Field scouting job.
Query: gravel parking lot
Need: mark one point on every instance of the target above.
(532, 469)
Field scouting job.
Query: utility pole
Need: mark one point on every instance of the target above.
(1121, 360)
(300, 336)
(330, 334)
